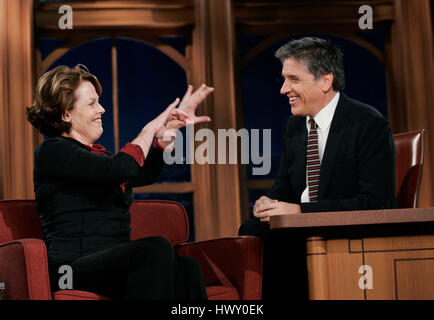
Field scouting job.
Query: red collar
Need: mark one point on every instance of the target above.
(96, 148)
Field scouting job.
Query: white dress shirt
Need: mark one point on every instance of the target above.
(323, 119)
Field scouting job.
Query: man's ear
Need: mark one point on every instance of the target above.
(327, 81)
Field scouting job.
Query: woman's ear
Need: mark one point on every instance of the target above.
(66, 117)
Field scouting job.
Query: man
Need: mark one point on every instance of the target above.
(338, 154)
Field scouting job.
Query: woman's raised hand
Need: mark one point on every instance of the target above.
(165, 125)
(191, 100)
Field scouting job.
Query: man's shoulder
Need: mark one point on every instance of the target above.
(294, 123)
(358, 111)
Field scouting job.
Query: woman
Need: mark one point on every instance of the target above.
(83, 192)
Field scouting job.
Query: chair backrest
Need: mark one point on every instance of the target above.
(409, 163)
(159, 218)
(19, 220)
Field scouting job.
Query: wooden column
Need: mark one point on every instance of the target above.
(217, 200)
(411, 77)
(205, 199)
(16, 83)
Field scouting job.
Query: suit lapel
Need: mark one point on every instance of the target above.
(336, 133)
(299, 147)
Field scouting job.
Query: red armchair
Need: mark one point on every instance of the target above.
(232, 267)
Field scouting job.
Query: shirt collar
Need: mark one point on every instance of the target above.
(96, 148)
(324, 118)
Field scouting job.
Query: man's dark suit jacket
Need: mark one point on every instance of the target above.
(358, 165)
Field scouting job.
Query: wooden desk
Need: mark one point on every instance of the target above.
(395, 246)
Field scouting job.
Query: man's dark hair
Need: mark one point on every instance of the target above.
(320, 57)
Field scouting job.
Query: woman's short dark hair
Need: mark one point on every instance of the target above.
(320, 57)
(55, 95)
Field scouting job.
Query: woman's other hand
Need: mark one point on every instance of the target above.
(146, 136)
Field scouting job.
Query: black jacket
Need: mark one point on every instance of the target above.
(79, 200)
(358, 166)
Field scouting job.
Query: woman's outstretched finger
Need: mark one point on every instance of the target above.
(188, 92)
(166, 113)
(172, 105)
(202, 119)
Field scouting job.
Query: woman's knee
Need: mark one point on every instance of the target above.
(189, 270)
(188, 263)
(156, 248)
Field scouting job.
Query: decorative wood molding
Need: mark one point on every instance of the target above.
(63, 49)
(119, 14)
(278, 16)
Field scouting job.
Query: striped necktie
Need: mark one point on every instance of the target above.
(312, 161)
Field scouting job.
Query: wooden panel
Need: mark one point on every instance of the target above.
(333, 270)
(399, 243)
(278, 16)
(114, 14)
(343, 270)
(415, 278)
(317, 266)
(355, 245)
(402, 267)
(400, 273)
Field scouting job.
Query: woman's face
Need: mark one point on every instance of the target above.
(85, 116)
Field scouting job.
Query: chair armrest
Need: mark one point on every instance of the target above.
(24, 270)
(234, 262)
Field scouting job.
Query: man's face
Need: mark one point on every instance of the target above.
(86, 114)
(304, 92)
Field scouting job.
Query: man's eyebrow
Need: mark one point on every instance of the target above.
(292, 76)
